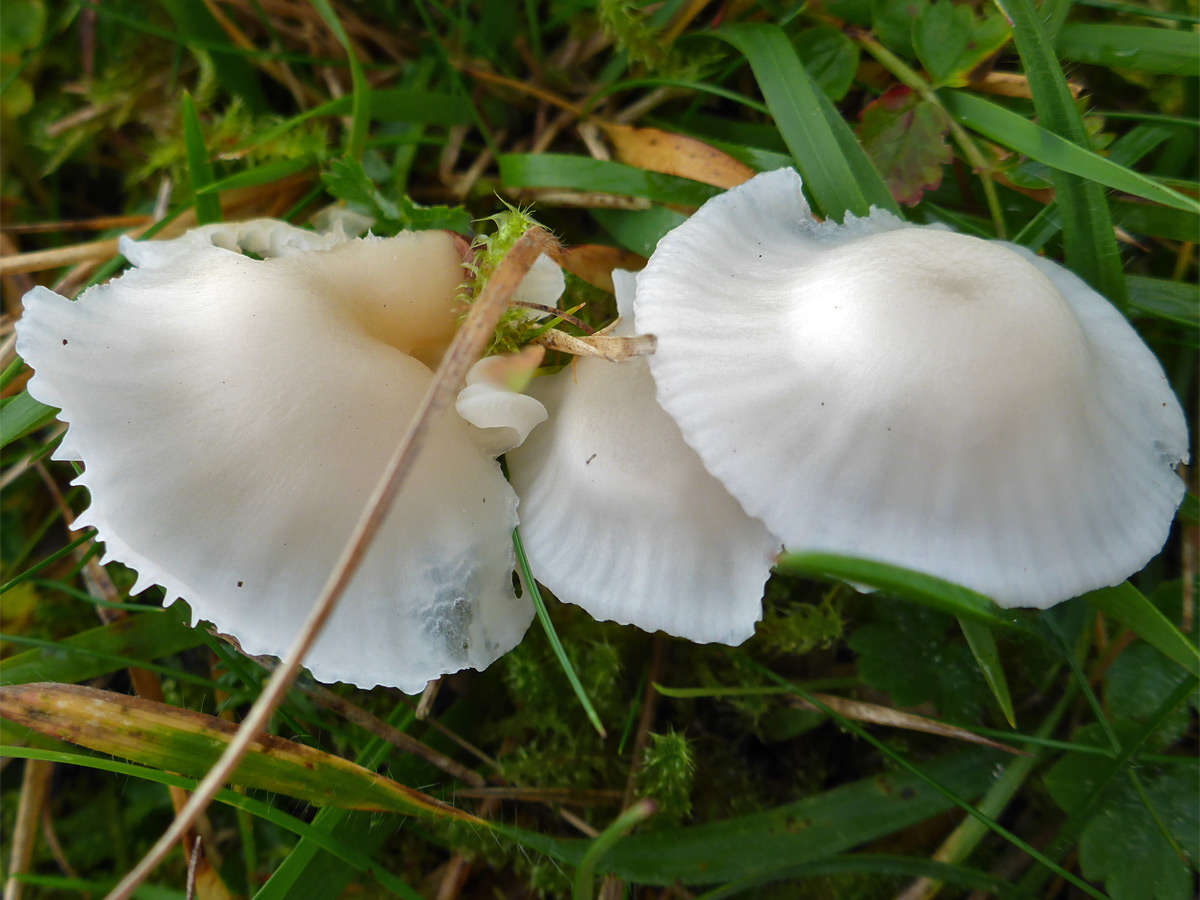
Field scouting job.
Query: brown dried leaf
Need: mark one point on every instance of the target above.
(676, 154)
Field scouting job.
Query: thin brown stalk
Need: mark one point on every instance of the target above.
(428, 696)
(466, 347)
(649, 712)
(34, 786)
(524, 88)
(381, 729)
(100, 223)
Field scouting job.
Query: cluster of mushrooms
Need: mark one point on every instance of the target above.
(878, 389)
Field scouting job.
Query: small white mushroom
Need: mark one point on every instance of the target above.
(915, 396)
(233, 415)
(492, 403)
(619, 516)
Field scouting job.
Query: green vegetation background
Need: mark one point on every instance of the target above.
(1068, 127)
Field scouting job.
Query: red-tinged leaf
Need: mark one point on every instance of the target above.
(905, 137)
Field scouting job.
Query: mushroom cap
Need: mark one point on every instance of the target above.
(619, 516)
(234, 415)
(912, 395)
(501, 416)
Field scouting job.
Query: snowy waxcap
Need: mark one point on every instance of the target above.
(233, 415)
(618, 514)
(912, 395)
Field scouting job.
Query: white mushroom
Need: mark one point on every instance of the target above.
(492, 402)
(912, 395)
(233, 415)
(620, 517)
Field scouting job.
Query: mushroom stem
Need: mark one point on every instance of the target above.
(614, 349)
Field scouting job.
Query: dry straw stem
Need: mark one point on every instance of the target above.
(884, 715)
(34, 786)
(467, 346)
(614, 349)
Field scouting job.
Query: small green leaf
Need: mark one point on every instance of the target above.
(1124, 846)
(905, 137)
(21, 26)
(830, 57)
(906, 652)
(893, 21)
(1139, 682)
(347, 180)
(951, 42)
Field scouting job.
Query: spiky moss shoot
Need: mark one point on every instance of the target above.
(516, 328)
(793, 627)
(553, 742)
(666, 776)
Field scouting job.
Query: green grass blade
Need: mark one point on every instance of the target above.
(11, 371)
(105, 662)
(552, 636)
(1018, 133)
(584, 885)
(200, 31)
(1088, 238)
(20, 415)
(835, 170)
(360, 117)
(962, 842)
(269, 812)
(138, 638)
(180, 740)
(1161, 50)
(859, 864)
(1048, 863)
(1157, 221)
(983, 645)
(580, 173)
(258, 175)
(58, 554)
(915, 586)
(312, 873)
(200, 172)
(1131, 608)
(1068, 833)
(638, 230)
(814, 828)
(1171, 300)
